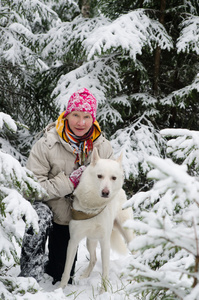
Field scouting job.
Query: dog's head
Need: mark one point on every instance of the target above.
(107, 175)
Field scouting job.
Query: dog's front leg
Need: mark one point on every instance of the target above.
(91, 246)
(70, 256)
(105, 256)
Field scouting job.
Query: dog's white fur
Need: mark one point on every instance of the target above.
(100, 187)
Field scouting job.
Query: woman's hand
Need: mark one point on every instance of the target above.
(76, 175)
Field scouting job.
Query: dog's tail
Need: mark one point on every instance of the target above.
(117, 242)
(121, 236)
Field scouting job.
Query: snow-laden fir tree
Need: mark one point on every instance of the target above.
(16, 183)
(165, 264)
(136, 142)
(49, 44)
(21, 63)
(183, 147)
(101, 44)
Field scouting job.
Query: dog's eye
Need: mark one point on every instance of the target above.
(114, 177)
(99, 176)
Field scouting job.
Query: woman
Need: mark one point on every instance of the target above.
(58, 160)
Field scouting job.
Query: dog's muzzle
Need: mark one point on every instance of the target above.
(105, 193)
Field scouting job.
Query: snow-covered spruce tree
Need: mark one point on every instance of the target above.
(174, 68)
(93, 49)
(21, 64)
(165, 264)
(183, 147)
(15, 183)
(111, 52)
(99, 46)
(136, 142)
(180, 106)
(16, 142)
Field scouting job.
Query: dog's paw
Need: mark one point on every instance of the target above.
(84, 275)
(62, 284)
(105, 286)
(102, 289)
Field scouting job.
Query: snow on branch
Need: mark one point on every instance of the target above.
(108, 113)
(6, 119)
(17, 47)
(17, 207)
(7, 124)
(137, 141)
(158, 282)
(82, 28)
(173, 186)
(12, 174)
(18, 39)
(167, 227)
(148, 103)
(39, 11)
(55, 41)
(22, 31)
(189, 36)
(90, 75)
(183, 144)
(130, 32)
(181, 94)
(19, 51)
(63, 37)
(15, 182)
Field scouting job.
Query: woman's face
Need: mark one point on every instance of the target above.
(79, 122)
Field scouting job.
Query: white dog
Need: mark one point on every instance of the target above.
(98, 215)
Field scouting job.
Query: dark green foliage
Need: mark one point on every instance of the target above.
(66, 10)
(113, 9)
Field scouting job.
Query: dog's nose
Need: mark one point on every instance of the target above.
(105, 193)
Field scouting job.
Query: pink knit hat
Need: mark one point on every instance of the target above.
(82, 100)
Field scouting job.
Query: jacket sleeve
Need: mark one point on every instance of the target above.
(39, 163)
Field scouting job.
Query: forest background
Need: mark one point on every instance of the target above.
(140, 60)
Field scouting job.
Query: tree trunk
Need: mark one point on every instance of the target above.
(158, 50)
(85, 8)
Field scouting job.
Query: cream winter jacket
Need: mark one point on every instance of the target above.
(52, 161)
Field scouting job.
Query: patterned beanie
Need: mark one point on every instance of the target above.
(82, 100)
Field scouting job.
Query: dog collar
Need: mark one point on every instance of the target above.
(80, 215)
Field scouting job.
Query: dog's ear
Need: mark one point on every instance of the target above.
(119, 159)
(95, 157)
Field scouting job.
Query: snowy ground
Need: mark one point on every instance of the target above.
(83, 289)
